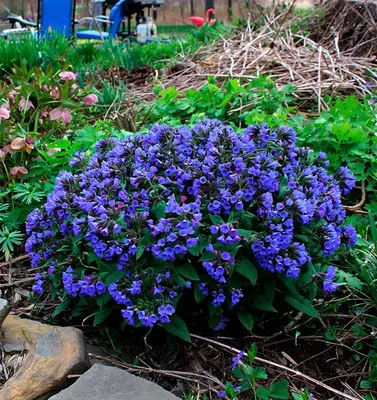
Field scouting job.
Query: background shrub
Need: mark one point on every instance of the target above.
(151, 222)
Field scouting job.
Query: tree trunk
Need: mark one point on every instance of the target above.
(182, 5)
(230, 10)
(192, 7)
(210, 4)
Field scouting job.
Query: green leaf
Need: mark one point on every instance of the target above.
(300, 303)
(373, 229)
(101, 316)
(260, 303)
(245, 232)
(115, 276)
(263, 393)
(188, 271)
(178, 328)
(246, 319)
(208, 256)
(198, 295)
(269, 290)
(159, 209)
(365, 384)
(247, 269)
(196, 250)
(259, 373)
(61, 307)
(216, 219)
(351, 280)
(279, 390)
(283, 188)
(140, 251)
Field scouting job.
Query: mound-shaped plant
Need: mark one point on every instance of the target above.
(202, 213)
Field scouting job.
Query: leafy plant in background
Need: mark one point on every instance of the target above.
(35, 112)
(153, 221)
(346, 133)
(231, 102)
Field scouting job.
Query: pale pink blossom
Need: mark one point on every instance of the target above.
(4, 113)
(25, 105)
(44, 112)
(63, 113)
(90, 100)
(18, 172)
(55, 93)
(67, 76)
(13, 93)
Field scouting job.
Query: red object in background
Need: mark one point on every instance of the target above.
(199, 21)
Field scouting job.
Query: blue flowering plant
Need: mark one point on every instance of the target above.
(202, 222)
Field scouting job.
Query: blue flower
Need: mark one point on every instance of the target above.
(236, 360)
(146, 206)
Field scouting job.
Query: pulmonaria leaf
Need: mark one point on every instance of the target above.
(159, 209)
(247, 269)
(177, 327)
(246, 319)
(300, 303)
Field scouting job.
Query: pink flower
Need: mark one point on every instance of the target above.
(90, 100)
(13, 93)
(63, 113)
(67, 76)
(25, 105)
(4, 113)
(55, 93)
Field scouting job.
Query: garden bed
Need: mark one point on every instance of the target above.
(302, 336)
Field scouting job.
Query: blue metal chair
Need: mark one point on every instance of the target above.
(117, 15)
(56, 16)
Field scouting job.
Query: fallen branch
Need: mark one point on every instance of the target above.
(14, 260)
(361, 203)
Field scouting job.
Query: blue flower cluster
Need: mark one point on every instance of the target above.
(147, 216)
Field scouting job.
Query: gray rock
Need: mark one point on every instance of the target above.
(13, 346)
(110, 383)
(4, 310)
(53, 354)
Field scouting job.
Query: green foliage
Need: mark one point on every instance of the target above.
(255, 102)
(34, 147)
(8, 240)
(250, 379)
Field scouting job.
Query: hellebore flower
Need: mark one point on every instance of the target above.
(90, 100)
(25, 105)
(4, 113)
(63, 113)
(67, 76)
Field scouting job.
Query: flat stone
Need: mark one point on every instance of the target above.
(102, 382)
(13, 346)
(53, 354)
(5, 308)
